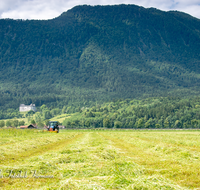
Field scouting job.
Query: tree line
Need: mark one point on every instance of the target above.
(151, 113)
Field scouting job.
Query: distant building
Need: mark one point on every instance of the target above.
(23, 107)
(31, 126)
(61, 127)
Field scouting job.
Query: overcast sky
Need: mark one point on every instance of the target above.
(48, 9)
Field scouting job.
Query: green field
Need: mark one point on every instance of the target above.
(84, 159)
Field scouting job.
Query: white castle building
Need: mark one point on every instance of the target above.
(23, 107)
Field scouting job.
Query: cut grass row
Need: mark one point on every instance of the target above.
(105, 160)
(163, 154)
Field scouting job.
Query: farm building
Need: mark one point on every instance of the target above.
(31, 126)
(23, 107)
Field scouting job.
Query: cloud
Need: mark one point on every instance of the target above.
(35, 9)
(48, 9)
(191, 7)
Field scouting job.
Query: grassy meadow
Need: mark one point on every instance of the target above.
(97, 159)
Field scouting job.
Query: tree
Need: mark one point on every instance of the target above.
(147, 124)
(68, 109)
(33, 122)
(105, 110)
(55, 111)
(43, 107)
(185, 125)
(38, 117)
(46, 114)
(64, 109)
(22, 122)
(194, 123)
(78, 109)
(106, 123)
(90, 114)
(73, 124)
(15, 123)
(166, 123)
(157, 125)
(118, 124)
(140, 123)
(131, 124)
(2, 124)
(177, 124)
(46, 122)
(81, 123)
(161, 121)
(8, 123)
(31, 112)
(151, 123)
(40, 124)
(87, 123)
(67, 123)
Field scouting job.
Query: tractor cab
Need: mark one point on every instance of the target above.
(53, 126)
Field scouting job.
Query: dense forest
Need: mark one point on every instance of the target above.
(94, 54)
(149, 113)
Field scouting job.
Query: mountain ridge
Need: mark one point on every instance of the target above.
(97, 53)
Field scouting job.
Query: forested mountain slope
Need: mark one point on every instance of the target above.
(97, 53)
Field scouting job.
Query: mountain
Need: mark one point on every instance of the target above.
(97, 53)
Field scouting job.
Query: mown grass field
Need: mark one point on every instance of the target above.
(99, 159)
